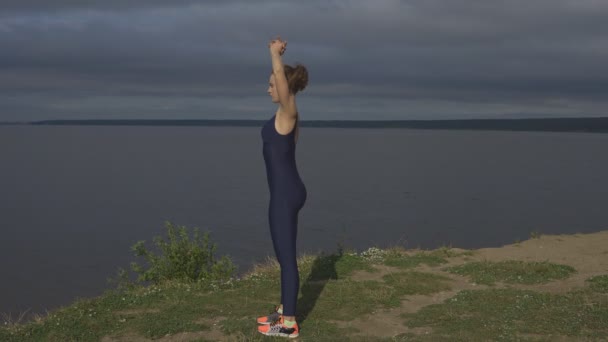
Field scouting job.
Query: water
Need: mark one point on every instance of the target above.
(74, 199)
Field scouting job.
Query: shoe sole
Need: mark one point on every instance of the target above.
(265, 323)
(278, 334)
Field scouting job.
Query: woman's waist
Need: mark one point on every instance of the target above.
(285, 180)
(282, 190)
(282, 170)
(283, 177)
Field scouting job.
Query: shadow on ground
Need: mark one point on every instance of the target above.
(323, 269)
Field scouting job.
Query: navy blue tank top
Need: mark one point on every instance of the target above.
(279, 152)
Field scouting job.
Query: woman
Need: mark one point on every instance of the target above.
(287, 191)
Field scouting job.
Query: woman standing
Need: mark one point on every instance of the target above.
(287, 191)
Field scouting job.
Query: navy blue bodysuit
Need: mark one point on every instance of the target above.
(287, 197)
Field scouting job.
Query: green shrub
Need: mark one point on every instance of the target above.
(182, 258)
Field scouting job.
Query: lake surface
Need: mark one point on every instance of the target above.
(74, 199)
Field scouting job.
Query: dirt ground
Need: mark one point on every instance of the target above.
(587, 253)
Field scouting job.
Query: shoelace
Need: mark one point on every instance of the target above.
(278, 321)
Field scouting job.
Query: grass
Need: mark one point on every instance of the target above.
(599, 283)
(407, 261)
(398, 258)
(330, 298)
(510, 314)
(511, 271)
(168, 308)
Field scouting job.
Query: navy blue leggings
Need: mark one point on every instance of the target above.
(283, 218)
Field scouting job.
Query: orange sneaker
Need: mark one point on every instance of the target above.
(271, 318)
(278, 328)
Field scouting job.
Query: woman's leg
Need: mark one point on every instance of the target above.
(283, 230)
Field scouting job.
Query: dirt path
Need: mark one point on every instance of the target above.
(587, 253)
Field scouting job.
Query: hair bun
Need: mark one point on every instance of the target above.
(297, 77)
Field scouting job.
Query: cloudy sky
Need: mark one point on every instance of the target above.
(367, 60)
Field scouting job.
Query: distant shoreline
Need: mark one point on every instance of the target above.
(594, 124)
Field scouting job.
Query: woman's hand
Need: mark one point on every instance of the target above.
(277, 46)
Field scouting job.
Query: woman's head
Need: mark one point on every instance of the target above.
(297, 79)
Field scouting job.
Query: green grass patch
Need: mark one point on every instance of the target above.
(82, 321)
(334, 266)
(164, 323)
(327, 296)
(511, 271)
(407, 261)
(171, 319)
(599, 283)
(234, 326)
(509, 314)
(320, 267)
(152, 312)
(405, 337)
(342, 300)
(348, 263)
(399, 258)
(171, 307)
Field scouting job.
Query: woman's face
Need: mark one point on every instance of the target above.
(272, 91)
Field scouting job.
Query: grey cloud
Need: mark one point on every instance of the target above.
(37, 6)
(459, 51)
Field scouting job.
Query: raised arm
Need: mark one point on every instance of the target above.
(277, 48)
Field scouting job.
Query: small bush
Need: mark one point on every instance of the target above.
(182, 258)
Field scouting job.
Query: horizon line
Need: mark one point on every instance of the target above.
(332, 120)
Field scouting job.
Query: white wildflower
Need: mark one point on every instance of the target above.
(373, 254)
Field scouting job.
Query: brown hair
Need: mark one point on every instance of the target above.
(297, 77)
